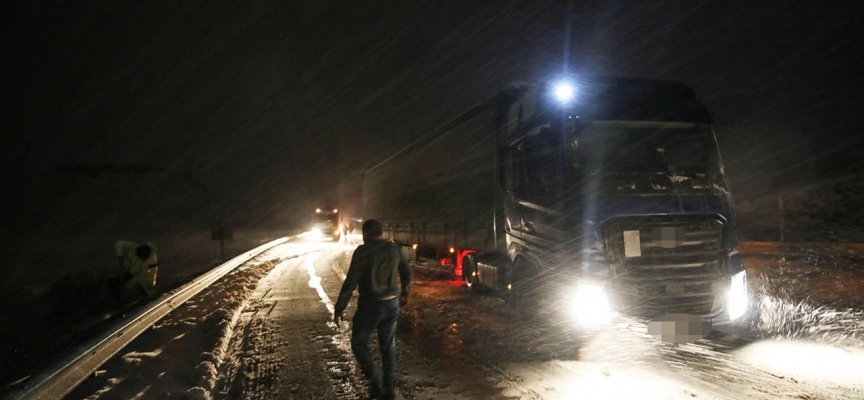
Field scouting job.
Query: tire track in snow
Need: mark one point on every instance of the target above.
(260, 345)
(341, 368)
(315, 282)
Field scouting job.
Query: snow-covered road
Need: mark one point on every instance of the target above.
(265, 332)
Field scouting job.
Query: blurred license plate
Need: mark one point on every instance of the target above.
(679, 328)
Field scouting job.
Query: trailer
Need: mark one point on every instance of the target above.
(601, 195)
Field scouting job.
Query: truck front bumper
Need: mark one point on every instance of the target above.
(593, 302)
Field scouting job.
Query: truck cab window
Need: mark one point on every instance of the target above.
(543, 154)
(639, 148)
(514, 175)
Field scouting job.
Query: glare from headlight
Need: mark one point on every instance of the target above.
(738, 296)
(589, 305)
(564, 92)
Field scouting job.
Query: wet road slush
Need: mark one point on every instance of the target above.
(266, 331)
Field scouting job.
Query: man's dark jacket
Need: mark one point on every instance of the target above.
(373, 271)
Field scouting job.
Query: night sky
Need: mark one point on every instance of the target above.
(259, 112)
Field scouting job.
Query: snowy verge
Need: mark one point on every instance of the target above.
(61, 379)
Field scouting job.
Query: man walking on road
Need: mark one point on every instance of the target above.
(373, 271)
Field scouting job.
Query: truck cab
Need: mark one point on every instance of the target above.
(618, 196)
(327, 222)
(599, 195)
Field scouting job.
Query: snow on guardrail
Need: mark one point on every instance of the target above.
(64, 376)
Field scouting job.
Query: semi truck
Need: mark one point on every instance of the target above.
(598, 195)
(327, 222)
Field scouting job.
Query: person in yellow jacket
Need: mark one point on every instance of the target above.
(139, 265)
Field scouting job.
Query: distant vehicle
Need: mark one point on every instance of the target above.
(327, 222)
(603, 195)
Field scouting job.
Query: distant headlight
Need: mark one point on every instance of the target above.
(588, 304)
(738, 297)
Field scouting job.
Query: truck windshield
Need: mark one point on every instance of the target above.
(642, 147)
(326, 218)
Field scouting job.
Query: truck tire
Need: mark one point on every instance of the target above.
(527, 293)
(469, 273)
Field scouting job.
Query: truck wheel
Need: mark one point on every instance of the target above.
(527, 293)
(469, 273)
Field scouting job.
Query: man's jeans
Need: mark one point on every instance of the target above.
(378, 316)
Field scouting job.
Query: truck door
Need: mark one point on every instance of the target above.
(513, 177)
(539, 197)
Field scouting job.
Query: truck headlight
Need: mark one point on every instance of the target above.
(588, 304)
(738, 298)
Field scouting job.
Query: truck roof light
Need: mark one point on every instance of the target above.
(317, 210)
(564, 91)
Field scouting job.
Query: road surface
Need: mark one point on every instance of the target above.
(265, 331)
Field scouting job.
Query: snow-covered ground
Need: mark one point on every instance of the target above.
(556, 362)
(193, 352)
(265, 331)
(825, 210)
(57, 302)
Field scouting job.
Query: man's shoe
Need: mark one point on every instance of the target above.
(387, 394)
(375, 392)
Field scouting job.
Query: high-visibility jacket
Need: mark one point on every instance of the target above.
(135, 271)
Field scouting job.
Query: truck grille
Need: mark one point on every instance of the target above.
(666, 264)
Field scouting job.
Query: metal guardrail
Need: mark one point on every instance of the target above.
(64, 376)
